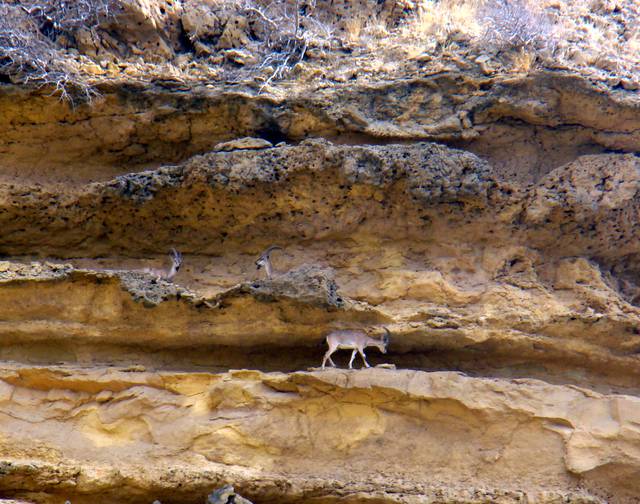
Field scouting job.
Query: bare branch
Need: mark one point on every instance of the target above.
(286, 35)
(515, 24)
(29, 56)
(262, 15)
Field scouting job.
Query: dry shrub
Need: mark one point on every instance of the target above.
(516, 24)
(68, 15)
(285, 30)
(23, 49)
(442, 20)
(28, 52)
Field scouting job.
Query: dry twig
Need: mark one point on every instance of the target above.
(515, 24)
(285, 33)
(28, 50)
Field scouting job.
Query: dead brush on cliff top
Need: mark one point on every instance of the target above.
(516, 24)
(507, 26)
(28, 50)
(285, 31)
(603, 35)
(56, 17)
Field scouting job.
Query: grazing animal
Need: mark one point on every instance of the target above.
(226, 495)
(264, 261)
(167, 273)
(356, 341)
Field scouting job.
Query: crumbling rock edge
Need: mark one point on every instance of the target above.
(208, 204)
(311, 285)
(425, 238)
(318, 191)
(113, 312)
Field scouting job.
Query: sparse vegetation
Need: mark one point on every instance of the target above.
(285, 33)
(68, 44)
(64, 16)
(23, 50)
(28, 49)
(516, 24)
(594, 35)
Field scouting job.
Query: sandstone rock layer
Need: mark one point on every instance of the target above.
(347, 436)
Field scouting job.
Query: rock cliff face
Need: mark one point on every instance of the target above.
(487, 219)
(325, 436)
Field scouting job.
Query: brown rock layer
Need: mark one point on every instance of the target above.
(425, 239)
(526, 125)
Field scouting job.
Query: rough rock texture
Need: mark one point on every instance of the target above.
(526, 125)
(309, 437)
(424, 238)
(467, 269)
(487, 219)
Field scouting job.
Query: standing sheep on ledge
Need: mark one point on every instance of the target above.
(355, 340)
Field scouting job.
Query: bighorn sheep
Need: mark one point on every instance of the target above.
(356, 340)
(265, 260)
(167, 273)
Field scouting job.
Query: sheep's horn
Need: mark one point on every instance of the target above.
(271, 249)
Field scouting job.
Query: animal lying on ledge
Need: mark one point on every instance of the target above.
(264, 261)
(167, 273)
(356, 341)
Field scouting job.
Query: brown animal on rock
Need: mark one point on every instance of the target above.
(167, 273)
(264, 261)
(353, 340)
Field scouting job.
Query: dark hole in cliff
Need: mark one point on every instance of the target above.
(272, 132)
(186, 45)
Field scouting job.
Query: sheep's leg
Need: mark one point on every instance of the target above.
(327, 356)
(353, 356)
(364, 359)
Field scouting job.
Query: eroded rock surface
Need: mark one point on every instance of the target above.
(526, 125)
(320, 437)
(428, 240)
(463, 266)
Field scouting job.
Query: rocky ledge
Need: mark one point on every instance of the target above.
(462, 265)
(321, 436)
